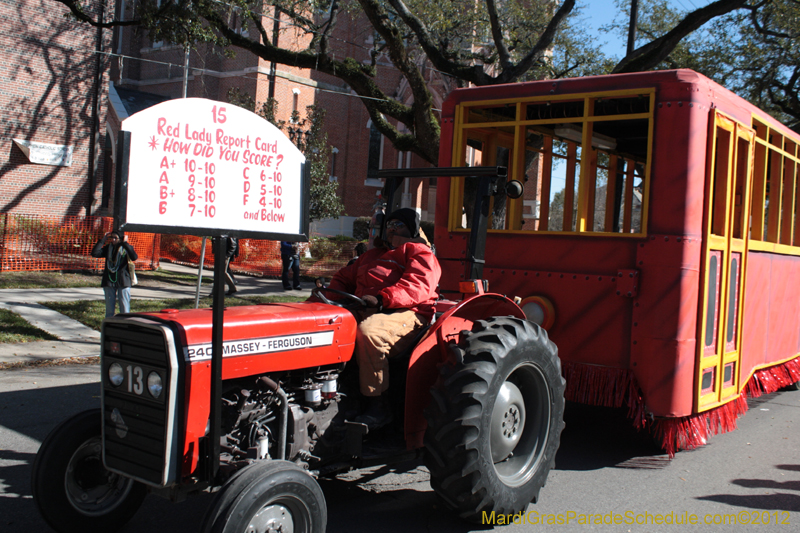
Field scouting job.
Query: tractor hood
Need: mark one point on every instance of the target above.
(272, 337)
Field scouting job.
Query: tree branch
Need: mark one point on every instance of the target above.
(762, 29)
(497, 35)
(359, 77)
(648, 56)
(470, 73)
(76, 9)
(542, 45)
(329, 26)
(425, 125)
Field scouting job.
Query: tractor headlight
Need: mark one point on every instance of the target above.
(539, 310)
(115, 374)
(154, 384)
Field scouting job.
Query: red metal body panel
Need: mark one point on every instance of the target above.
(249, 330)
(591, 319)
(423, 367)
(772, 310)
(664, 326)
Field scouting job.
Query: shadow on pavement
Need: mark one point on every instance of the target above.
(602, 437)
(779, 501)
(26, 417)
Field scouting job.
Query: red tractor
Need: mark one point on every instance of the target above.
(480, 396)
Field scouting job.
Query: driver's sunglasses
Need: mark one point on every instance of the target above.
(395, 224)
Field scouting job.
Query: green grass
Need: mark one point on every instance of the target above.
(61, 280)
(92, 312)
(15, 329)
(149, 278)
(47, 280)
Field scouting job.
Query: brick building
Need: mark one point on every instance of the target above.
(49, 87)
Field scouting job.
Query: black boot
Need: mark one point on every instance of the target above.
(377, 414)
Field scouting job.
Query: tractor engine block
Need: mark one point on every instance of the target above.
(251, 416)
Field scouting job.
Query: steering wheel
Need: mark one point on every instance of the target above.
(317, 291)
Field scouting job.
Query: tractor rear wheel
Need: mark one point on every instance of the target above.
(268, 496)
(72, 489)
(495, 419)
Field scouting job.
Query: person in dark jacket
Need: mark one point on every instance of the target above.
(231, 252)
(116, 282)
(398, 280)
(290, 256)
(357, 251)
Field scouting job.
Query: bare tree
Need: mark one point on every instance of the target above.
(482, 43)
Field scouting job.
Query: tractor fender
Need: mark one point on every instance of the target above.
(432, 351)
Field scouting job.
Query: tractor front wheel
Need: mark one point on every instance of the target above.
(495, 419)
(267, 497)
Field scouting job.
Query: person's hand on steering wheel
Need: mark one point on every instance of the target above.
(318, 292)
(373, 301)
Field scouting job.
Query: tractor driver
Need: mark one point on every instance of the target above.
(398, 281)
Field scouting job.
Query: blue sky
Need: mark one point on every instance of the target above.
(598, 13)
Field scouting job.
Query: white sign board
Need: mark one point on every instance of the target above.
(46, 154)
(197, 163)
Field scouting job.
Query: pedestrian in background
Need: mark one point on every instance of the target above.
(290, 256)
(231, 253)
(357, 251)
(116, 282)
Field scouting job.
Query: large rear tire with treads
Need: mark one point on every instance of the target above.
(495, 419)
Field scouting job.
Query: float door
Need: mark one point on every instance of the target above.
(725, 260)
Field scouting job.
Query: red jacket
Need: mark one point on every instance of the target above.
(406, 277)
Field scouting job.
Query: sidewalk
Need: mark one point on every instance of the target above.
(77, 340)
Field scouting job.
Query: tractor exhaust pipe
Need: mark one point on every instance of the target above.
(270, 384)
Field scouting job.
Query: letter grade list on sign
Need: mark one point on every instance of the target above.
(200, 163)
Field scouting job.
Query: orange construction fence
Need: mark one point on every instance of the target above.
(261, 257)
(36, 243)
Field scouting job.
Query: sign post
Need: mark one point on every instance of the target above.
(200, 167)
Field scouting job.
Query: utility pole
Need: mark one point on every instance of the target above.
(632, 26)
(94, 133)
(185, 70)
(276, 27)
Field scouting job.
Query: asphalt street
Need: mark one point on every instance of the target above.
(605, 471)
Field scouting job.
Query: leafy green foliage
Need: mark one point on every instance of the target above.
(753, 51)
(361, 228)
(311, 139)
(322, 247)
(757, 55)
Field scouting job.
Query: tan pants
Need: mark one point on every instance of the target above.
(379, 337)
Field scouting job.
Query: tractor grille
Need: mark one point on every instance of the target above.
(138, 436)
